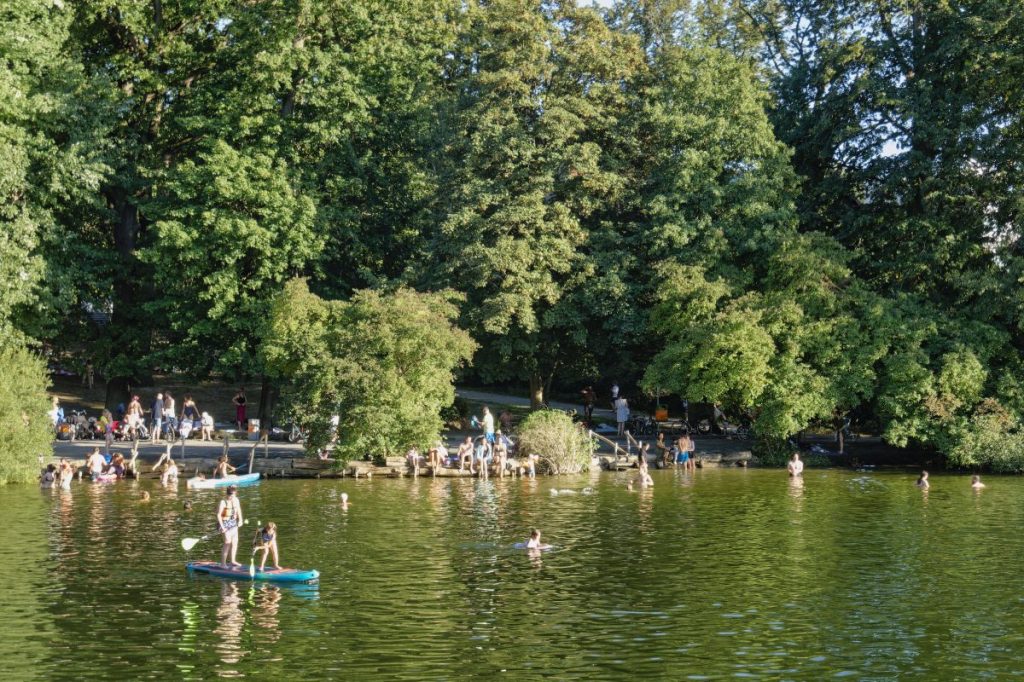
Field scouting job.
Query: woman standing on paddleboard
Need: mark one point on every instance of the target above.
(229, 518)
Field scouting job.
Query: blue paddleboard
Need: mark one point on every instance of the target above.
(284, 575)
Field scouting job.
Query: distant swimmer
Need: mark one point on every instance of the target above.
(144, 497)
(976, 483)
(534, 541)
(344, 502)
(644, 479)
(922, 482)
(795, 466)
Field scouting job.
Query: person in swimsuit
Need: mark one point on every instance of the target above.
(170, 474)
(976, 483)
(644, 479)
(266, 542)
(223, 468)
(466, 454)
(229, 518)
(534, 541)
(795, 466)
(344, 502)
(483, 456)
(500, 455)
(48, 476)
(922, 482)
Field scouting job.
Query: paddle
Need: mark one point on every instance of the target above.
(189, 543)
(252, 557)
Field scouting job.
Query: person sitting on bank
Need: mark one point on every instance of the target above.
(922, 481)
(266, 542)
(206, 423)
(976, 483)
(500, 454)
(223, 468)
(795, 466)
(465, 454)
(484, 455)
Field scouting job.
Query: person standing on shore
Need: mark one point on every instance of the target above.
(170, 416)
(229, 518)
(589, 397)
(239, 403)
(621, 406)
(158, 418)
(615, 393)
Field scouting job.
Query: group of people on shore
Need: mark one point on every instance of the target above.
(162, 420)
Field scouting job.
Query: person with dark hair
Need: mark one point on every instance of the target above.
(239, 403)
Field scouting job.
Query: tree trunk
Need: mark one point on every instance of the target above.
(841, 439)
(268, 398)
(536, 391)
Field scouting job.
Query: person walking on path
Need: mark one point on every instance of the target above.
(621, 406)
(615, 393)
(229, 518)
(239, 403)
(589, 397)
(89, 375)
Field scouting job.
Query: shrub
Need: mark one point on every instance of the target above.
(25, 431)
(455, 414)
(563, 447)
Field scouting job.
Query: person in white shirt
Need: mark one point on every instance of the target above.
(795, 466)
(487, 424)
(206, 422)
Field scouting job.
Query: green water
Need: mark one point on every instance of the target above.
(713, 575)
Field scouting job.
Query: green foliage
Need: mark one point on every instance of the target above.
(563, 446)
(25, 427)
(235, 224)
(382, 362)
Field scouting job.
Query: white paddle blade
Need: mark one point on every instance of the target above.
(189, 543)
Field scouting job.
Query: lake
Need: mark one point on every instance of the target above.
(712, 575)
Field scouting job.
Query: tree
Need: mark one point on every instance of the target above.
(25, 426)
(383, 363)
(536, 82)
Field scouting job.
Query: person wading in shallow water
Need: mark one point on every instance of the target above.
(229, 518)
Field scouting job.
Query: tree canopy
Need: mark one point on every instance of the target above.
(804, 211)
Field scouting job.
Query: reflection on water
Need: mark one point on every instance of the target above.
(730, 573)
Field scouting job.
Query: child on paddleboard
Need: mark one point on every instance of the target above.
(266, 542)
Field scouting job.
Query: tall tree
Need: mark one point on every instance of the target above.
(534, 78)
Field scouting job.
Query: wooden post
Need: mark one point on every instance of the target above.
(615, 445)
(252, 455)
(266, 444)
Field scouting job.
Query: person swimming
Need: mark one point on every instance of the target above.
(534, 541)
(922, 482)
(644, 479)
(344, 502)
(976, 483)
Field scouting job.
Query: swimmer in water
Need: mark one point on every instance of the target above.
(144, 497)
(344, 502)
(187, 506)
(922, 482)
(795, 466)
(644, 479)
(976, 483)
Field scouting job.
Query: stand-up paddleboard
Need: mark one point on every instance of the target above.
(212, 483)
(284, 575)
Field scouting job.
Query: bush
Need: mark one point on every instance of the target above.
(25, 427)
(775, 452)
(455, 414)
(563, 447)
(992, 439)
